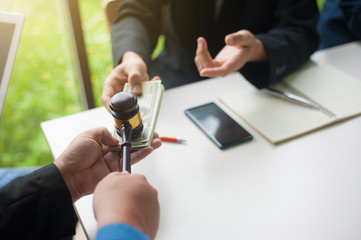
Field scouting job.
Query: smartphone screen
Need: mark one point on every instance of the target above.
(217, 125)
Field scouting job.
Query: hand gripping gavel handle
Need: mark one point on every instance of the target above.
(126, 146)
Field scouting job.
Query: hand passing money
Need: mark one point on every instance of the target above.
(149, 104)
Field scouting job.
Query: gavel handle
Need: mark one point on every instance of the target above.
(126, 146)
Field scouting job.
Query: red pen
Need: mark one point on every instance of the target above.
(172, 139)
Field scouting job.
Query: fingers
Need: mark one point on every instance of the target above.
(155, 135)
(137, 72)
(156, 142)
(103, 136)
(245, 39)
(141, 154)
(113, 160)
(241, 38)
(144, 152)
(133, 70)
(226, 61)
(113, 84)
(215, 72)
(155, 78)
(105, 99)
(203, 58)
(135, 80)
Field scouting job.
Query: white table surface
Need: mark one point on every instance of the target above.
(306, 188)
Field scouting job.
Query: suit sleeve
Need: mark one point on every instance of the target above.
(289, 43)
(37, 206)
(351, 11)
(136, 28)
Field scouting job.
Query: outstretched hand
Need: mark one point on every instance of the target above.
(241, 47)
(133, 70)
(87, 160)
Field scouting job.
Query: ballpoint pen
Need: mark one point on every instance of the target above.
(290, 97)
(172, 139)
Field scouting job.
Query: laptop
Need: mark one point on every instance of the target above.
(11, 25)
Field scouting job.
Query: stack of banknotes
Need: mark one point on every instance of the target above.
(149, 104)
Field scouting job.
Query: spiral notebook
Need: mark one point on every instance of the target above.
(337, 96)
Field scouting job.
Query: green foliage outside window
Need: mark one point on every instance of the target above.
(320, 4)
(43, 85)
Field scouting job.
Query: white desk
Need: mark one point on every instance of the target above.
(306, 188)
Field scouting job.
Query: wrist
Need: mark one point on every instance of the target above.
(68, 179)
(260, 54)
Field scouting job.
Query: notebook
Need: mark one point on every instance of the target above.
(337, 96)
(10, 30)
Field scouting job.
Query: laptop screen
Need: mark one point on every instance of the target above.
(5, 43)
(10, 29)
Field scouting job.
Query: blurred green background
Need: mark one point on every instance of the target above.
(43, 85)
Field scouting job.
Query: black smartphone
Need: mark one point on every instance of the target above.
(217, 125)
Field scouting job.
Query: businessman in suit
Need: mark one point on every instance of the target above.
(40, 205)
(263, 39)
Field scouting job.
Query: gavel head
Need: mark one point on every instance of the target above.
(125, 109)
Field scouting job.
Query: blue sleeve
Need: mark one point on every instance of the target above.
(351, 11)
(118, 231)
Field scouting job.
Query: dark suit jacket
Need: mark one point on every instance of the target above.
(340, 22)
(37, 206)
(287, 29)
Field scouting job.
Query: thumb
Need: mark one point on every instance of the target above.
(240, 38)
(135, 82)
(105, 137)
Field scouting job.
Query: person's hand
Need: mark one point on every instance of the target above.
(133, 70)
(87, 160)
(128, 199)
(241, 47)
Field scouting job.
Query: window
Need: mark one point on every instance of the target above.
(42, 86)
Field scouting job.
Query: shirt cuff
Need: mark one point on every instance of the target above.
(117, 231)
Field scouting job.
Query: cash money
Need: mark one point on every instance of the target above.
(149, 104)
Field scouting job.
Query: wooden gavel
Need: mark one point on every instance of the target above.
(125, 110)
